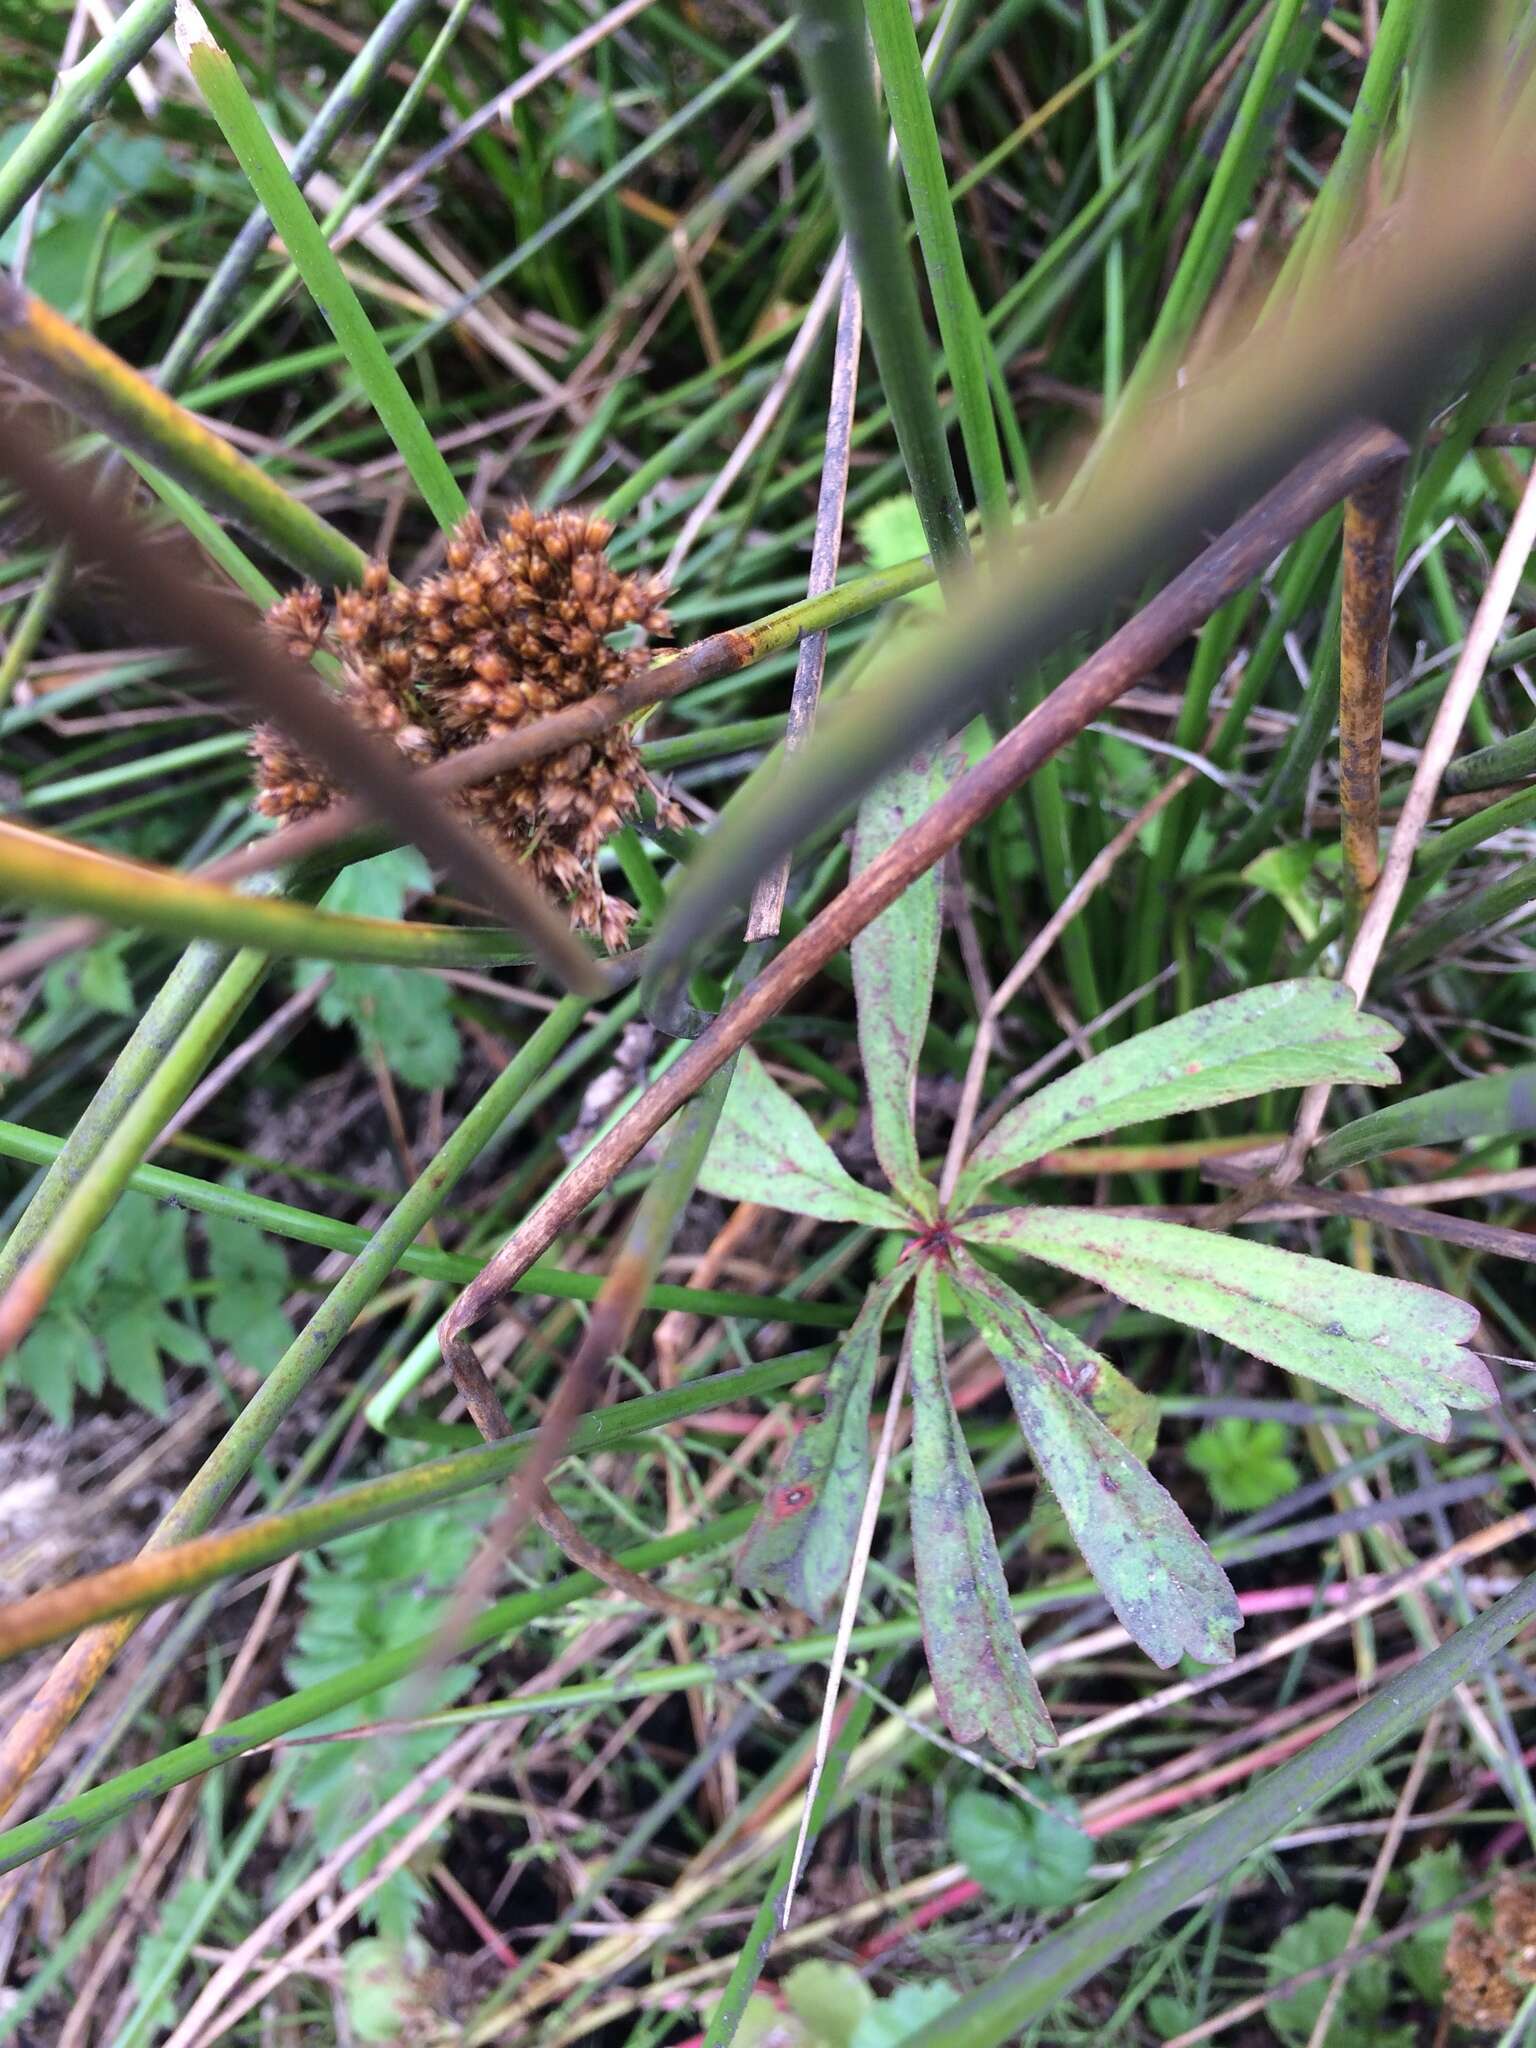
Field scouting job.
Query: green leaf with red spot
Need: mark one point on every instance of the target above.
(981, 1676)
(894, 960)
(1166, 1589)
(766, 1149)
(1287, 1034)
(800, 1546)
(1389, 1344)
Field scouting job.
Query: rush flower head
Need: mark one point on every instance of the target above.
(509, 630)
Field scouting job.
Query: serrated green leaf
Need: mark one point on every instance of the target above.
(1435, 1877)
(377, 1984)
(1243, 1462)
(1391, 1345)
(408, 1016)
(133, 1357)
(894, 959)
(898, 2021)
(830, 1998)
(1285, 1035)
(1320, 1937)
(53, 1360)
(1165, 1587)
(890, 533)
(800, 1546)
(981, 1676)
(95, 976)
(1020, 1855)
(1494, 1106)
(766, 1149)
(251, 1277)
(369, 1591)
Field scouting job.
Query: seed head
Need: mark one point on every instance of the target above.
(509, 630)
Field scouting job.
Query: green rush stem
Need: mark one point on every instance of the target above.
(1511, 760)
(759, 1936)
(954, 301)
(40, 870)
(152, 1044)
(219, 546)
(1481, 404)
(1335, 213)
(345, 101)
(163, 1088)
(243, 129)
(1114, 255)
(80, 97)
(1436, 854)
(105, 1803)
(452, 1269)
(1475, 913)
(835, 57)
(1212, 650)
(1043, 1980)
(79, 373)
(170, 1573)
(144, 768)
(33, 623)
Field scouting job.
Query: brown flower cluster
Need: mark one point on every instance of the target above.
(1488, 1971)
(513, 628)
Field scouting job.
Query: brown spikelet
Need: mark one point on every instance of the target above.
(287, 786)
(509, 630)
(1488, 1970)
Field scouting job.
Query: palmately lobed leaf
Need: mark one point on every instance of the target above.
(894, 960)
(981, 1677)
(1166, 1589)
(800, 1547)
(766, 1149)
(1392, 1345)
(1286, 1034)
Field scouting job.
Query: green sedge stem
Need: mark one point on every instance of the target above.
(243, 129)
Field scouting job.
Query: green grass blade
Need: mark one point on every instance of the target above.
(1293, 28)
(954, 301)
(835, 57)
(54, 873)
(245, 132)
(330, 1233)
(1043, 1980)
(1499, 1106)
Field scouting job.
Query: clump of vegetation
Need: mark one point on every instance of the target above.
(512, 629)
